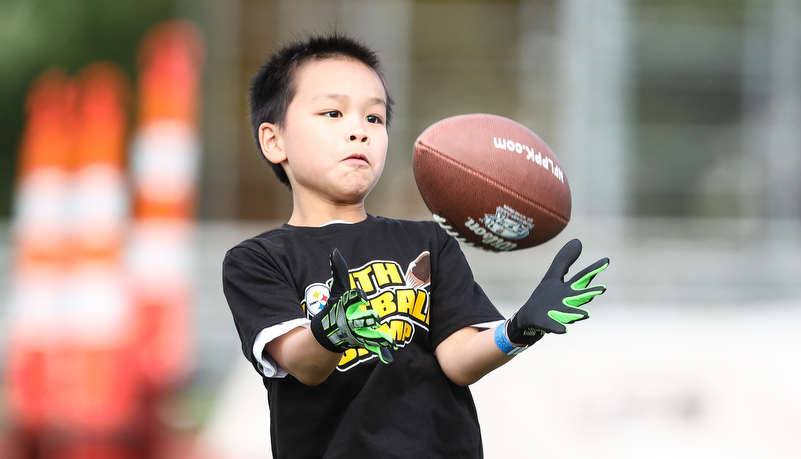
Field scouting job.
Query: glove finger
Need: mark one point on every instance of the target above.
(566, 256)
(381, 343)
(339, 271)
(581, 280)
(358, 317)
(568, 317)
(374, 336)
(355, 311)
(383, 353)
(368, 321)
(584, 297)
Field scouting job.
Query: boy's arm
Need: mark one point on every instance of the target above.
(299, 353)
(469, 354)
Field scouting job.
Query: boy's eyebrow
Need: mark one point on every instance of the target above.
(343, 97)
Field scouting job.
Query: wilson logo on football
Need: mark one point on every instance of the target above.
(508, 223)
(488, 239)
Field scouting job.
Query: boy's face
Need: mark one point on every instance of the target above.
(334, 140)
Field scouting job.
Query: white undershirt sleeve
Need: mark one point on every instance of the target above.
(267, 365)
(487, 325)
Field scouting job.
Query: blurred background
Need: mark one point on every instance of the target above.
(127, 169)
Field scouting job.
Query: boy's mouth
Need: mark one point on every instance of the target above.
(357, 157)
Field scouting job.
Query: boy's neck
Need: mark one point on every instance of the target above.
(351, 214)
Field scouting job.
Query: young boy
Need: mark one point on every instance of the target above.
(372, 360)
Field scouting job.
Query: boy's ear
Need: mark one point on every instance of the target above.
(271, 146)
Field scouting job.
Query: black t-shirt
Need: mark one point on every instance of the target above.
(418, 280)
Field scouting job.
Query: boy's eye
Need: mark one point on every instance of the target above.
(333, 114)
(373, 119)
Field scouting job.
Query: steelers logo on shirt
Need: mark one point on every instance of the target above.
(316, 298)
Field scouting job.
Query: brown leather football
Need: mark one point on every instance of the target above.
(491, 182)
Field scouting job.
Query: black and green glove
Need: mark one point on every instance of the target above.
(345, 323)
(555, 302)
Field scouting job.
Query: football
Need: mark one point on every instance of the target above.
(491, 182)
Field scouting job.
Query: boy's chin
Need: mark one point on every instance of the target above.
(355, 191)
(352, 197)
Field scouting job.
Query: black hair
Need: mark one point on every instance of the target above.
(273, 87)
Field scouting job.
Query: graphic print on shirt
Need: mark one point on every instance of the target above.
(399, 296)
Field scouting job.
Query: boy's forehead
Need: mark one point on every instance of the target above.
(318, 73)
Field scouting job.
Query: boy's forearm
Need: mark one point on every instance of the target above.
(469, 354)
(299, 353)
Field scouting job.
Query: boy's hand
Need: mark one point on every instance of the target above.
(345, 322)
(555, 302)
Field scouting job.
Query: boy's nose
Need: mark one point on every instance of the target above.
(359, 137)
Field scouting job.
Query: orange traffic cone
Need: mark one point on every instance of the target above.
(92, 387)
(39, 243)
(165, 162)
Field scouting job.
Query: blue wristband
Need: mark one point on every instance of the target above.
(503, 342)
